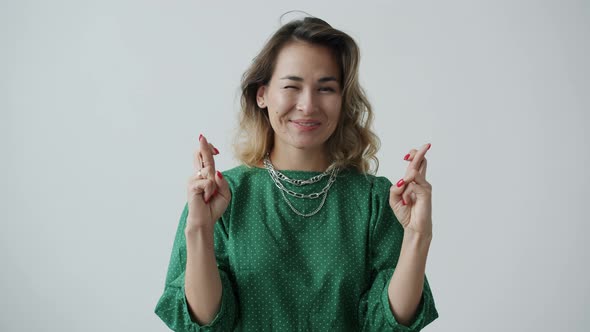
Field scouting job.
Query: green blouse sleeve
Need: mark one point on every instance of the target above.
(172, 307)
(385, 242)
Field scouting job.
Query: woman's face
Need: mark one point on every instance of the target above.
(303, 96)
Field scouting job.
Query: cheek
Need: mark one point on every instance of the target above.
(334, 120)
(334, 111)
(277, 122)
(279, 106)
(275, 115)
(282, 106)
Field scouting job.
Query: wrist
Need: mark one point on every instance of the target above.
(198, 230)
(417, 237)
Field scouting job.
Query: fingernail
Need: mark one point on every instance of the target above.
(429, 145)
(200, 136)
(407, 156)
(403, 202)
(215, 150)
(219, 174)
(400, 183)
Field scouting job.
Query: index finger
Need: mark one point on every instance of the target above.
(207, 157)
(419, 156)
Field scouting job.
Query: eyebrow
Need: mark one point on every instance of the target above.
(299, 79)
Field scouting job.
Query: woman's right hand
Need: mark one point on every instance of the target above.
(208, 193)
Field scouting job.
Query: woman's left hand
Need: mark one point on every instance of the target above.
(411, 197)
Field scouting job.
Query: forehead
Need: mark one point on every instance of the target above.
(306, 60)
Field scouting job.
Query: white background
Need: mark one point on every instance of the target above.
(102, 104)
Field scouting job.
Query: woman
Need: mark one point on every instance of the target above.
(301, 236)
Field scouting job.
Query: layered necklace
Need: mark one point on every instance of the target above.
(277, 177)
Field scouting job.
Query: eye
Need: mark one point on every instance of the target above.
(290, 86)
(327, 89)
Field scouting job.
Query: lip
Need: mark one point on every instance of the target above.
(297, 124)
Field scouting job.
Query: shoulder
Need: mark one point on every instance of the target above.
(240, 175)
(374, 183)
(234, 172)
(381, 183)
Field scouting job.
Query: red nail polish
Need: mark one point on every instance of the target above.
(219, 175)
(403, 202)
(215, 150)
(200, 136)
(400, 183)
(429, 145)
(407, 156)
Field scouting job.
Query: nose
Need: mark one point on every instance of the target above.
(307, 103)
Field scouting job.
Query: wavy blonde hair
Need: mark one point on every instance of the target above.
(353, 144)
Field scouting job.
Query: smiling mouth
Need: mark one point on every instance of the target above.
(306, 123)
(306, 126)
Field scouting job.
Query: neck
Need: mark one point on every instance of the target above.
(315, 160)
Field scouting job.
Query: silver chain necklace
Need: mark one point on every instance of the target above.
(297, 182)
(278, 176)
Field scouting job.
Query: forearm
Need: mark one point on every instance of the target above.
(406, 284)
(202, 282)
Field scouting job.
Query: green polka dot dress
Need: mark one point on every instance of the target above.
(284, 272)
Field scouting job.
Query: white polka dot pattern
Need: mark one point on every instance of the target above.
(285, 272)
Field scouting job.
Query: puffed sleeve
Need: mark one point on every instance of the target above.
(385, 242)
(172, 307)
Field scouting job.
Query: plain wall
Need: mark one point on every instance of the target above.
(102, 104)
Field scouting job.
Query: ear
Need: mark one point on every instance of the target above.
(260, 96)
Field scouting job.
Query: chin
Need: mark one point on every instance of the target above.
(308, 145)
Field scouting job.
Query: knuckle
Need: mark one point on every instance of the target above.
(210, 184)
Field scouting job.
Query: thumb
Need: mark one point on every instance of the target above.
(222, 185)
(396, 191)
